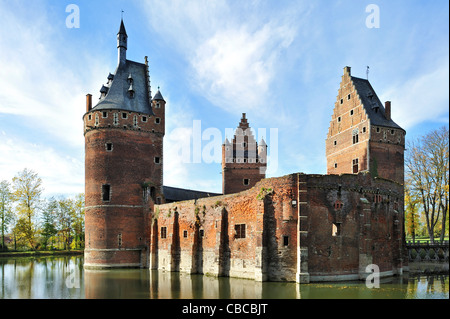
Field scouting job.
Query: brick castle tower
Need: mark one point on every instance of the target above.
(244, 162)
(362, 135)
(123, 164)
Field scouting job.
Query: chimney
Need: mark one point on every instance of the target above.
(347, 70)
(387, 110)
(88, 102)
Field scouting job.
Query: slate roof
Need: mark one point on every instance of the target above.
(372, 105)
(117, 96)
(174, 194)
(158, 96)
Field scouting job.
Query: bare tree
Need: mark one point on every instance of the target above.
(427, 165)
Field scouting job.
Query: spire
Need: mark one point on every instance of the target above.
(158, 96)
(122, 43)
(122, 29)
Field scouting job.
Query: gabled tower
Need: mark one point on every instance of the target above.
(244, 163)
(362, 135)
(123, 164)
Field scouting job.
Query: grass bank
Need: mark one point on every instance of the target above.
(39, 253)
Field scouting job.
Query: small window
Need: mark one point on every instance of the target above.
(116, 119)
(336, 229)
(378, 130)
(157, 105)
(124, 115)
(109, 147)
(119, 239)
(185, 234)
(355, 138)
(157, 120)
(285, 240)
(245, 160)
(351, 112)
(163, 232)
(342, 101)
(240, 230)
(349, 96)
(157, 160)
(335, 165)
(364, 129)
(339, 119)
(96, 119)
(355, 166)
(392, 132)
(246, 181)
(104, 114)
(202, 233)
(335, 142)
(135, 121)
(144, 119)
(89, 117)
(106, 192)
(244, 144)
(338, 205)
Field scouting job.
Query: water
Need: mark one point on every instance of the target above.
(65, 278)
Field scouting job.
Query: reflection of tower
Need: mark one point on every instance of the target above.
(362, 135)
(123, 158)
(243, 161)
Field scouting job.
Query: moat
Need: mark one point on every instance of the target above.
(65, 278)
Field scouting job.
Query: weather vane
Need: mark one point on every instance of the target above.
(367, 72)
(122, 14)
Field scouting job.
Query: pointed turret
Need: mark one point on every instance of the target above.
(158, 96)
(122, 44)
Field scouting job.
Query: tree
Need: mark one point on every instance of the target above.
(412, 202)
(5, 210)
(49, 223)
(78, 222)
(27, 190)
(428, 171)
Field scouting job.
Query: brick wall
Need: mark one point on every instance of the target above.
(122, 158)
(201, 236)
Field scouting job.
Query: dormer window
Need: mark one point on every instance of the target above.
(131, 91)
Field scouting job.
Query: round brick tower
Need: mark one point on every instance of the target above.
(123, 165)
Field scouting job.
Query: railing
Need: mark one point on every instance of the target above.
(424, 251)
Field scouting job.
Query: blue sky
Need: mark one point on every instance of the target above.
(280, 62)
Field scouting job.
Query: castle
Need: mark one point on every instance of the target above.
(298, 227)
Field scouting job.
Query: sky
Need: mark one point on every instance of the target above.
(280, 62)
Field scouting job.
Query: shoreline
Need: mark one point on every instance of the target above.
(41, 253)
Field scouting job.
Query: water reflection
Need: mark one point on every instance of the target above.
(44, 277)
(64, 277)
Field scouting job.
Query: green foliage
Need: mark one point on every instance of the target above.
(264, 192)
(40, 223)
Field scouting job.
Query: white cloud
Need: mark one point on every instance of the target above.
(233, 57)
(60, 174)
(420, 99)
(236, 66)
(44, 81)
(40, 80)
